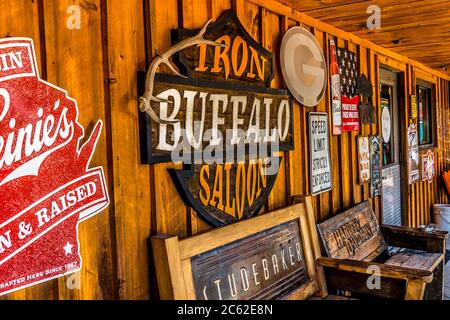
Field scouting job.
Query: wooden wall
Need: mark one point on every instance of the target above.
(98, 66)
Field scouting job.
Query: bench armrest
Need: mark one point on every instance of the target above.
(411, 238)
(387, 271)
(436, 234)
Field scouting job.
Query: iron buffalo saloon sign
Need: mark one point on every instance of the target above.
(219, 118)
(46, 186)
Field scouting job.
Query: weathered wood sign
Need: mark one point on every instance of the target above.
(221, 120)
(320, 159)
(428, 166)
(353, 234)
(375, 166)
(269, 257)
(363, 159)
(267, 261)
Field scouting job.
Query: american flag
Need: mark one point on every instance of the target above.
(347, 62)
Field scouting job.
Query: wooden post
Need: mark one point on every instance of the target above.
(415, 290)
(168, 268)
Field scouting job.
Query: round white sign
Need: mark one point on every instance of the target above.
(304, 66)
(386, 125)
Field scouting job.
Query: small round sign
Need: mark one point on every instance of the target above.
(304, 66)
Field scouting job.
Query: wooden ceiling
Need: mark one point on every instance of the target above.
(418, 29)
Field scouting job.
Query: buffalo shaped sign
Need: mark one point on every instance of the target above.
(220, 119)
(46, 185)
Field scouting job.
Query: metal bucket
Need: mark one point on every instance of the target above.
(441, 214)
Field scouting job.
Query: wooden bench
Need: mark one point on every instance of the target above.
(410, 262)
(274, 256)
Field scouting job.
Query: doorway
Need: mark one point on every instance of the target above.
(391, 148)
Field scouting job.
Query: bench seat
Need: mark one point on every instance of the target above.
(415, 259)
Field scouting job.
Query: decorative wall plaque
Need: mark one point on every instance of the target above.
(363, 159)
(428, 166)
(366, 109)
(220, 119)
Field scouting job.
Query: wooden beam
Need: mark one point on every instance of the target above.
(293, 14)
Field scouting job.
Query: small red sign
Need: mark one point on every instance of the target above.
(46, 186)
(350, 114)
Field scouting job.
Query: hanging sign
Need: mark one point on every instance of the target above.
(347, 62)
(46, 185)
(428, 166)
(375, 166)
(414, 108)
(366, 109)
(319, 151)
(223, 124)
(364, 159)
(304, 66)
(413, 159)
(336, 103)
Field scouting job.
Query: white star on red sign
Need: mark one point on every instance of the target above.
(68, 248)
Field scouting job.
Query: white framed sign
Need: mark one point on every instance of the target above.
(364, 159)
(428, 166)
(319, 153)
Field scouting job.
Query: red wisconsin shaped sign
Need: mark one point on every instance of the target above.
(46, 186)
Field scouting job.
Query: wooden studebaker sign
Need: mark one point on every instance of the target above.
(268, 257)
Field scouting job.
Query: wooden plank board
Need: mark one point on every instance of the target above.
(132, 190)
(414, 260)
(86, 85)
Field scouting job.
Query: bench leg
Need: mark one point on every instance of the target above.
(415, 290)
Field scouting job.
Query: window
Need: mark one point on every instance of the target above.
(424, 100)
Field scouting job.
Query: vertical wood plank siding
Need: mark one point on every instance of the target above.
(98, 66)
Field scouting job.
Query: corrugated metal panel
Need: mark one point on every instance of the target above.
(392, 197)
